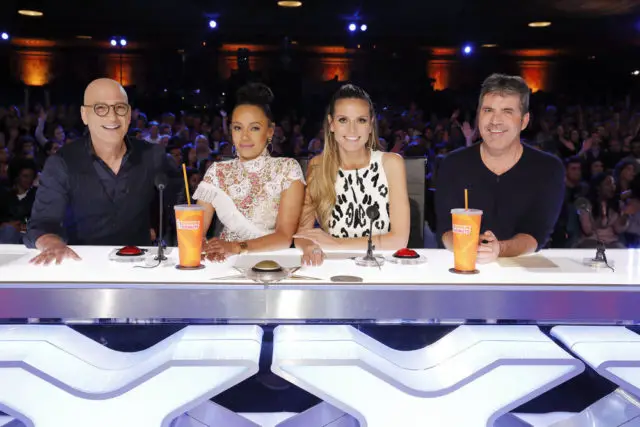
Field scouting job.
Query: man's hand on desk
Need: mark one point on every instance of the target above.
(53, 249)
(489, 251)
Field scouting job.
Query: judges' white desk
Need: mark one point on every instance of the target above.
(552, 286)
(549, 287)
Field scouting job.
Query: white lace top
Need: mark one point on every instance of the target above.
(246, 195)
(355, 191)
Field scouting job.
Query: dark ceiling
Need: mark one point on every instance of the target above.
(582, 23)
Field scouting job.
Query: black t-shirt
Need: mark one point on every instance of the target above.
(526, 199)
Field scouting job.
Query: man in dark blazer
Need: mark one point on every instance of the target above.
(98, 190)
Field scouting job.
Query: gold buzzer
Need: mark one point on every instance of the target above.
(267, 265)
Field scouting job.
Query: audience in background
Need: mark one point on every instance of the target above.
(591, 138)
(16, 200)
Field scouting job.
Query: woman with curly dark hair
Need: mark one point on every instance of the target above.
(604, 221)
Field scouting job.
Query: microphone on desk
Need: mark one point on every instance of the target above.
(161, 183)
(600, 260)
(373, 213)
(369, 260)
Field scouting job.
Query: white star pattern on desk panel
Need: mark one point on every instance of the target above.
(210, 414)
(468, 378)
(612, 351)
(10, 422)
(616, 409)
(52, 376)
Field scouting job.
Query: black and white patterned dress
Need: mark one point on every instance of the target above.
(356, 190)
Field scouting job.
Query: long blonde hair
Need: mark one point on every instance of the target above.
(323, 175)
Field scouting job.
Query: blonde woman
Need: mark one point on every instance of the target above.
(349, 176)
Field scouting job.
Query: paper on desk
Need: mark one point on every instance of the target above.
(530, 262)
(555, 264)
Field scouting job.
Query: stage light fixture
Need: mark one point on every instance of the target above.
(289, 3)
(539, 24)
(30, 12)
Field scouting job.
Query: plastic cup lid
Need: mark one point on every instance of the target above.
(188, 207)
(463, 211)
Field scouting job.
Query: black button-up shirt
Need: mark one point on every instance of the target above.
(81, 200)
(112, 183)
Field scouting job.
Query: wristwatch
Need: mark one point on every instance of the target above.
(244, 248)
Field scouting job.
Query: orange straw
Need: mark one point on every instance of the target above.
(466, 199)
(186, 184)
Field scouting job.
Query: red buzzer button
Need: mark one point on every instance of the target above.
(406, 253)
(129, 251)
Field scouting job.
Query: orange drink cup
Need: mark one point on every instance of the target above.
(189, 226)
(466, 236)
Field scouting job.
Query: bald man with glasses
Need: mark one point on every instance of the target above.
(99, 189)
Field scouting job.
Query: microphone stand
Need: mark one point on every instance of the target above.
(600, 260)
(160, 257)
(370, 246)
(369, 260)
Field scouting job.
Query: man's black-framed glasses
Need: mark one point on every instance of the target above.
(101, 109)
